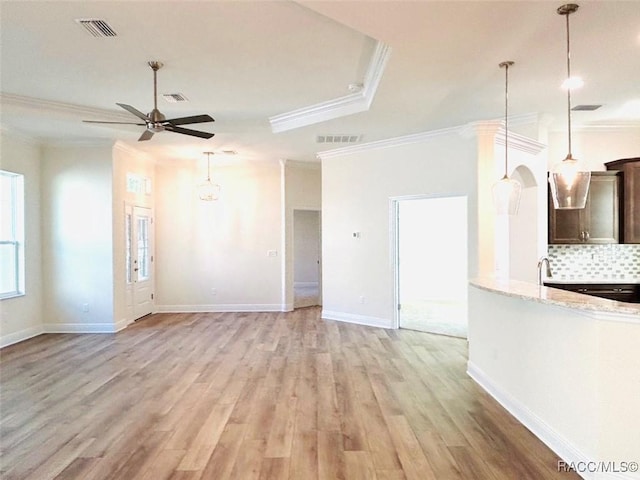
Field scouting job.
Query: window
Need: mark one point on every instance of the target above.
(138, 184)
(11, 234)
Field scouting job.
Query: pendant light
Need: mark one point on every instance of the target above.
(569, 179)
(208, 191)
(506, 191)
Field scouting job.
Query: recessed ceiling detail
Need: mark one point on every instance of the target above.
(96, 27)
(358, 101)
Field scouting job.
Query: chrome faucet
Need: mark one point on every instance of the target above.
(541, 262)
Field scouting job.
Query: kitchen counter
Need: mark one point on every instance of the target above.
(554, 296)
(564, 364)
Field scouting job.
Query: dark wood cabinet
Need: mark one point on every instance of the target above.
(630, 168)
(622, 292)
(598, 222)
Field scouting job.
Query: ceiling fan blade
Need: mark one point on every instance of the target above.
(146, 135)
(113, 123)
(193, 119)
(188, 131)
(135, 111)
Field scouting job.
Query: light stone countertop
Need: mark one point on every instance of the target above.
(555, 296)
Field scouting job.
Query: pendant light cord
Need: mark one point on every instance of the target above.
(506, 66)
(506, 116)
(566, 14)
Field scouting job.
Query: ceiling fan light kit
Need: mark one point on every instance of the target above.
(155, 121)
(569, 179)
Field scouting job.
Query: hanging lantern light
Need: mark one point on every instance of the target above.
(208, 191)
(506, 191)
(569, 179)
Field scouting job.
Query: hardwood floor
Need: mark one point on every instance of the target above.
(255, 396)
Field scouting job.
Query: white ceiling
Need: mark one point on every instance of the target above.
(243, 62)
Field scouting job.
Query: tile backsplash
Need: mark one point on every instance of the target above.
(595, 262)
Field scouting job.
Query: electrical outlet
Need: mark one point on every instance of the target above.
(85, 307)
(272, 253)
(214, 291)
(362, 299)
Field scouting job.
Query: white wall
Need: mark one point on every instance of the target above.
(356, 190)
(77, 242)
(222, 245)
(22, 316)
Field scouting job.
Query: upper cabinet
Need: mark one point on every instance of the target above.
(630, 168)
(598, 222)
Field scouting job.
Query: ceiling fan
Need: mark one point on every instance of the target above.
(155, 121)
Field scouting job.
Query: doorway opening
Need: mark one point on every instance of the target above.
(431, 264)
(307, 271)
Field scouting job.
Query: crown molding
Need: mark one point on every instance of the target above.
(520, 142)
(388, 143)
(484, 127)
(341, 106)
(60, 108)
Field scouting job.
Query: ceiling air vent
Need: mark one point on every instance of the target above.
(585, 108)
(96, 27)
(338, 138)
(174, 97)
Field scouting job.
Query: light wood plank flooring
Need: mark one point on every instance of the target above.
(255, 396)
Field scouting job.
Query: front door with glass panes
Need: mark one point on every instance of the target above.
(139, 261)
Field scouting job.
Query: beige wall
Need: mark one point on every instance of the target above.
(232, 245)
(77, 224)
(356, 191)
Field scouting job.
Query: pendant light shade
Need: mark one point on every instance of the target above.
(208, 191)
(506, 191)
(569, 179)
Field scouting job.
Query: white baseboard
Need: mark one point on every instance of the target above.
(81, 328)
(20, 336)
(358, 319)
(219, 308)
(122, 324)
(556, 442)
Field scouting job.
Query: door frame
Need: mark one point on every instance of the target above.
(130, 307)
(394, 240)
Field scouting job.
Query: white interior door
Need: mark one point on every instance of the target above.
(431, 265)
(139, 261)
